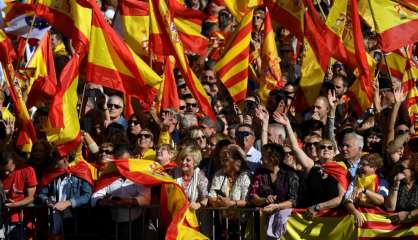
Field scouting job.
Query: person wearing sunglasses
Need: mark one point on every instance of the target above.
(326, 181)
(197, 134)
(144, 147)
(403, 196)
(182, 107)
(134, 128)
(115, 108)
(191, 105)
(245, 138)
(367, 190)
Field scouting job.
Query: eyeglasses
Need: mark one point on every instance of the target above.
(105, 151)
(242, 134)
(115, 106)
(182, 107)
(144, 135)
(134, 122)
(311, 144)
(191, 105)
(329, 147)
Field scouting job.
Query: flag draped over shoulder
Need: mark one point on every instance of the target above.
(79, 169)
(64, 109)
(132, 24)
(174, 205)
(41, 72)
(396, 22)
(232, 68)
(270, 65)
(162, 26)
(338, 225)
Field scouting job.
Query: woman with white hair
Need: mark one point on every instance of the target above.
(190, 178)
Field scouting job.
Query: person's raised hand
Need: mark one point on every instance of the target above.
(281, 118)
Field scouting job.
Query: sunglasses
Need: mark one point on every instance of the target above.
(105, 151)
(191, 105)
(135, 122)
(199, 138)
(243, 134)
(329, 147)
(182, 107)
(110, 105)
(311, 144)
(144, 135)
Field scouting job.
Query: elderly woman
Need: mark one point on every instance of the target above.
(275, 185)
(403, 197)
(145, 143)
(191, 178)
(326, 181)
(230, 185)
(198, 135)
(166, 156)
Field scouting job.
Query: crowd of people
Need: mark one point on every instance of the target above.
(275, 155)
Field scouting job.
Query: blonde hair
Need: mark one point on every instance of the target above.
(168, 148)
(192, 151)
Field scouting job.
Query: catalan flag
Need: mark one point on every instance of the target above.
(182, 222)
(63, 109)
(232, 68)
(41, 71)
(271, 73)
(336, 224)
(132, 24)
(163, 25)
(242, 7)
(395, 22)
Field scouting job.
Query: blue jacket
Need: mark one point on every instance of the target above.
(78, 192)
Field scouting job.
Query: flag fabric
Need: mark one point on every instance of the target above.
(132, 24)
(79, 169)
(410, 87)
(41, 72)
(289, 14)
(174, 205)
(232, 68)
(169, 95)
(395, 22)
(63, 129)
(241, 8)
(270, 65)
(162, 24)
(7, 53)
(337, 224)
(21, 26)
(395, 65)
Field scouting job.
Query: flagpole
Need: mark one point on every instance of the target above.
(375, 26)
(26, 41)
(321, 10)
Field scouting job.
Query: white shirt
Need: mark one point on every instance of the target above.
(123, 188)
(253, 159)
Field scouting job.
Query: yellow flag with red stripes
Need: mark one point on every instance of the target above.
(240, 8)
(232, 68)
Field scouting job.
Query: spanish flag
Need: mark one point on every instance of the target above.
(337, 224)
(232, 68)
(289, 14)
(79, 169)
(242, 7)
(411, 78)
(396, 22)
(174, 205)
(132, 24)
(63, 109)
(169, 95)
(394, 65)
(271, 73)
(41, 71)
(162, 24)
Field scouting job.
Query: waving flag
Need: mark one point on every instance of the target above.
(169, 95)
(174, 205)
(232, 68)
(241, 8)
(396, 21)
(289, 14)
(41, 71)
(161, 21)
(271, 73)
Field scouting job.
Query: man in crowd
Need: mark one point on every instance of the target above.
(245, 138)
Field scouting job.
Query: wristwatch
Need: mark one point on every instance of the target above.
(316, 207)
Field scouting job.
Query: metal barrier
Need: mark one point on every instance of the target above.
(96, 223)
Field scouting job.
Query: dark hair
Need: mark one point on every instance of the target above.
(5, 157)
(275, 153)
(120, 149)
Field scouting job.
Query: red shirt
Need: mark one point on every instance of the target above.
(16, 184)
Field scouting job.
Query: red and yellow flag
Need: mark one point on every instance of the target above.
(241, 8)
(174, 204)
(395, 22)
(162, 24)
(232, 68)
(132, 24)
(289, 14)
(169, 95)
(270, 67)
(63, 109)
(41, 71)
(338, 225)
